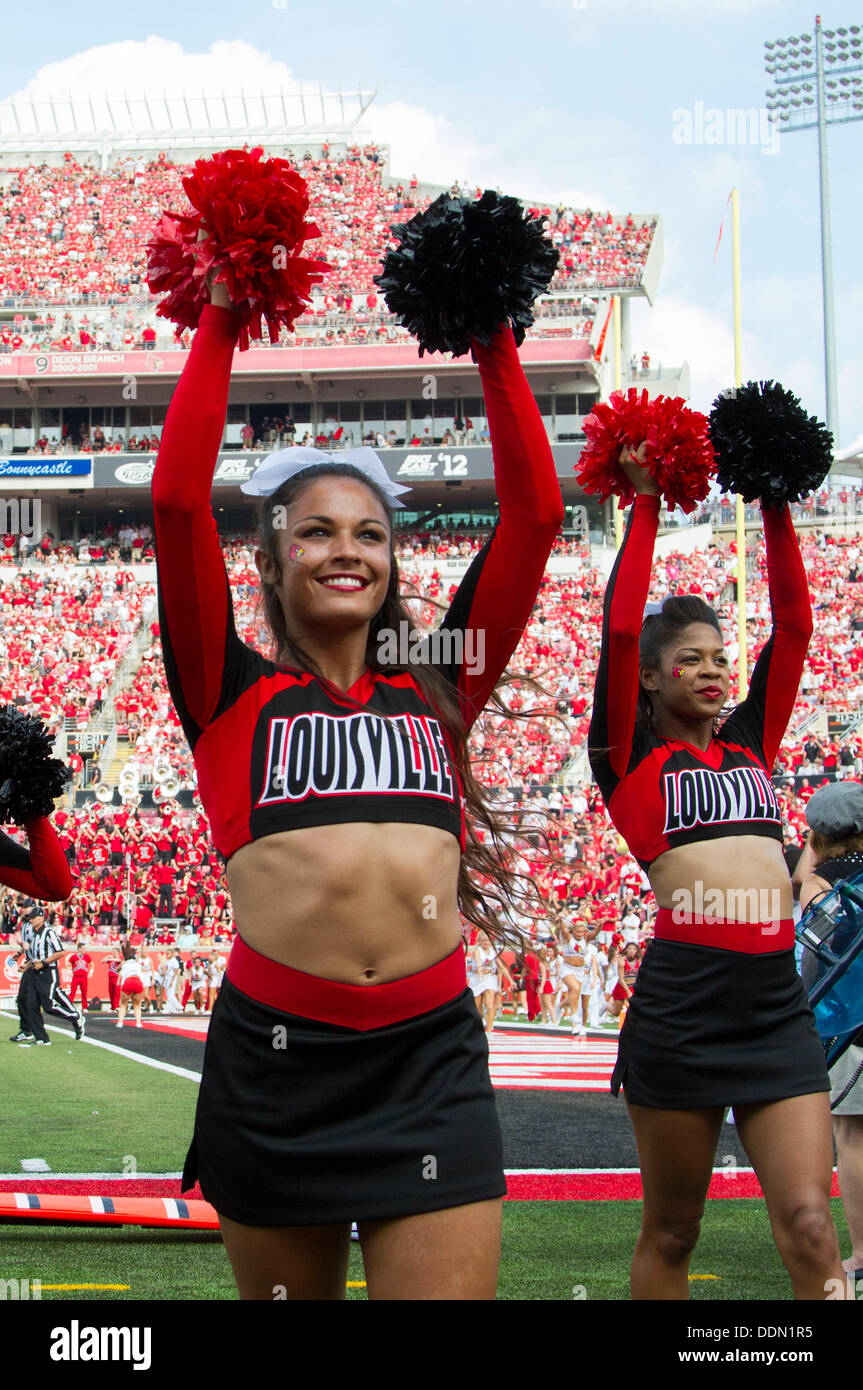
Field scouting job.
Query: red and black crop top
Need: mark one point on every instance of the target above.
(279, 750)
(659, 792)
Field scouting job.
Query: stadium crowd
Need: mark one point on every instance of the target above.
(62, 636)
(66, 629)
(74, 235)
(843, 503)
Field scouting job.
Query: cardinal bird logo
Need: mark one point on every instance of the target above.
(295, 552)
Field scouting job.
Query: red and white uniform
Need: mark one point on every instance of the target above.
(80, 964)
(131, 977)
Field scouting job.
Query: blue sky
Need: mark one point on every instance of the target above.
(571, 99)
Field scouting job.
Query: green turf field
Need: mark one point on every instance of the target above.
(89, 1110)
(83, 1109)
(549, 1249)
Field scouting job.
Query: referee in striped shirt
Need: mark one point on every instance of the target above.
(39, 991)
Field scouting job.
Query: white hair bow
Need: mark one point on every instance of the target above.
(277, 468)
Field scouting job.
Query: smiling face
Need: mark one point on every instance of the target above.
(332, 562)
(693, 676)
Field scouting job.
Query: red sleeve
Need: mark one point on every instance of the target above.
(495, 599)
(615, 696)
(761, 720)
(199, 641)
(44, 873)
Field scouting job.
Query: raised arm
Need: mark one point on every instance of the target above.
(615, 696)
(763, 716)
(40, 869)
(496, 596)
(199, 640)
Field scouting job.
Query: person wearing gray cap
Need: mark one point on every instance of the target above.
(834, 851)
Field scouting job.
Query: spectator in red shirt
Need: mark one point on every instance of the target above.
(143, 918)
(81, 965)
(164, 875)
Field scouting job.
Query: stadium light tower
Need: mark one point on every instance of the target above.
(819, 82)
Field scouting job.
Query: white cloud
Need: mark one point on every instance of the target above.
(421, 141)
(159, 70)
(526, 161)
(775, 345)
(674, 331)
(427, 145)
(711, 175)
(786, 313)
(155, 65)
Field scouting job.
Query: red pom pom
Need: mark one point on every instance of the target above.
(679, 454)
(254, 213)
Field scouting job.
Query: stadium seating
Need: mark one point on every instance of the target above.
(73, 235)
(66, 626)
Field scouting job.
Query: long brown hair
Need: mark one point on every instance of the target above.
(825, 847)
(487, 882)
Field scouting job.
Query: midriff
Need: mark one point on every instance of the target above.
(748, 871)
(360, 903)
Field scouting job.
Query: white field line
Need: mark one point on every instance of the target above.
(85, 1177)
(122, 1052)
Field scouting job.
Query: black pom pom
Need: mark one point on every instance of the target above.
(30, 778)
(465, 266)
(766, 445)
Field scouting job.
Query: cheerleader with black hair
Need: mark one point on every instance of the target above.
(718, 1014)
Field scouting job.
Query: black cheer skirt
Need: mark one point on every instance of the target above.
(708, 1027)
(305, 1123)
